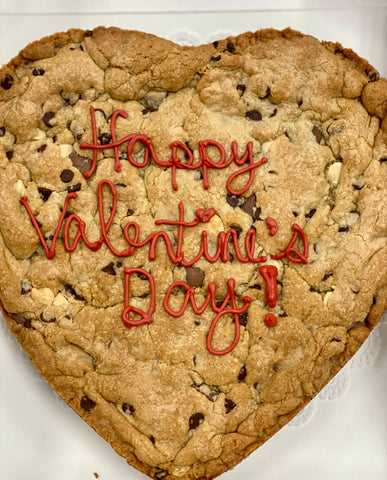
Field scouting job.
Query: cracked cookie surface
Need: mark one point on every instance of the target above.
(317, 113)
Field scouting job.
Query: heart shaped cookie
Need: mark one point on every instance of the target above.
(193, 239)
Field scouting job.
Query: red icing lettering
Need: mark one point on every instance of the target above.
(270, 320)
(204, 162)
(269, 274)
(211, 156)
(272, 226)
(290, 249)
(219, 310)
(146, 317)
(49, 251)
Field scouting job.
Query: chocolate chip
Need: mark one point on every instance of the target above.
(274, 113)
(344, 229)
(41, 149)
(47, 318)
(26, 286)
(105, 138)
(241, 88)
(2, 131)
(210, 392)
(21, 320)
(215, 59)
(70, 97)
(300, 102)
(254, 115)
(383, 159)
(67, 175)
(215, 44)
(326, 276)
(129, 212)
(38, 72)
(98, 111)
(339, 50)
(74, 188)
(87, 404)
(7, 82)
(9, 154)
(317, 133)
(142, 276)
(119, 264)
(195, 420)
(160, 473)
(109, 269)
(237, 229)
(243, 319)
(229, 405)
(267, 94)
(310, 213)
(232, 200)
(88, 33)
(218, 303)
(83, 164)
(127, 408)
(249, 205)
(256, 286)
(71, 291)
(372, 75)
(230, 47)
(44, 193)
(47, 117)
(242, 373)
(257, 214)
(194, 276)
(283, 314)
(295, 213)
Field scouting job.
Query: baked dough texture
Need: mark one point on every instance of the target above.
(155, 392)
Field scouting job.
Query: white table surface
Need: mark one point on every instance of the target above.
(343, 434)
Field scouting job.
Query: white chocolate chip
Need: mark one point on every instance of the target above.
(60, 301)
(65, 150)
(326, 298)
(216, 223)
(353, 217)
(44, 296)
(334, 172)
(20, 188)
(180, 471)
(266, 147)
(40, 135)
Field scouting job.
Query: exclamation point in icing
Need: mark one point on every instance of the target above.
(269, 274)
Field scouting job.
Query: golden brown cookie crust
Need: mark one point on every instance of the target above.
(155, 392)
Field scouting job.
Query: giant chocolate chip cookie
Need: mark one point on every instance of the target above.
(193, 239)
